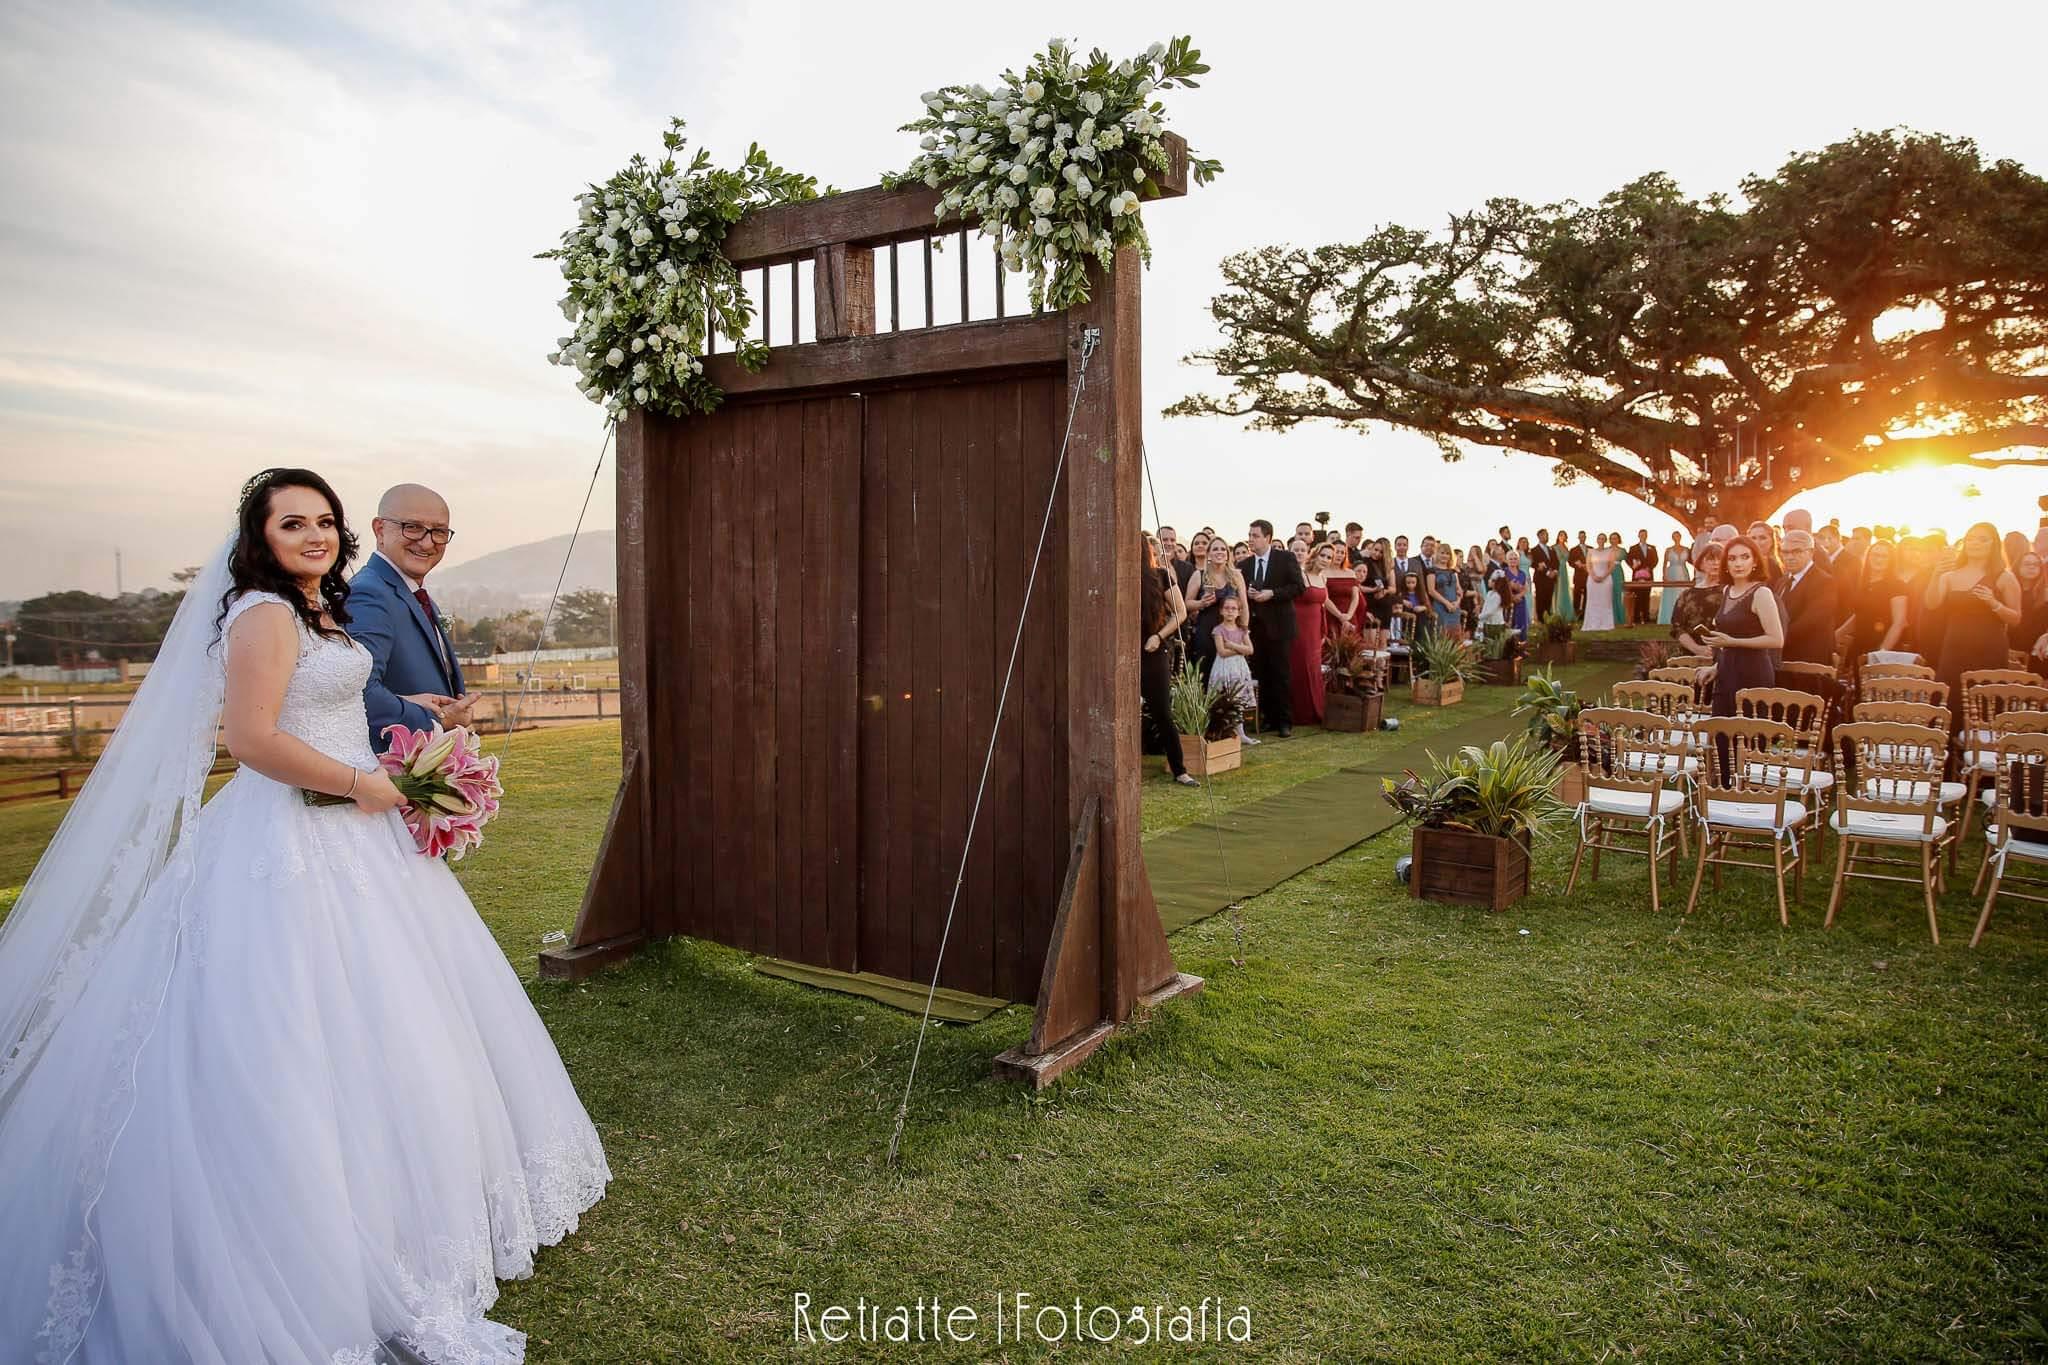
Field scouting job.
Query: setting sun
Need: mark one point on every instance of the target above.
(1925, 498)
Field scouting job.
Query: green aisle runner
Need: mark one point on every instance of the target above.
(1201, 868)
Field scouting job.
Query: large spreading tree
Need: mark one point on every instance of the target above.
(1879, 303)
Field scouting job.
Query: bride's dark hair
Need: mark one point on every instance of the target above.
(254, 568)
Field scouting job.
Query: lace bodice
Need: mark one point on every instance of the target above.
(323, 704)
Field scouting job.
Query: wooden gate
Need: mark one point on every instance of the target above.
(819, 589)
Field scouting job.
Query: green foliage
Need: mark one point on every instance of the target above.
(1054, 164)
(1552, 708)
(583, 618)
(1881, 301)
(1443, 657)
(1554, 629)
(1349, 670)
(648, 280)
(1198, 709)
(1503, 789)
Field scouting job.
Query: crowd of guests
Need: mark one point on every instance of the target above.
(1260, 608)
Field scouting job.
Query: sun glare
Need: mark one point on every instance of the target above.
(1923, 498)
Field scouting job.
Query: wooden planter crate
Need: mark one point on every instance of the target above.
(1571, 783)
(1464, 868)
(1429, 692)
(1206, 757)
(1502, 672)
(1342, 711)
(1548, 653)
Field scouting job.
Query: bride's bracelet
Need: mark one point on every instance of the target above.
(355, 776)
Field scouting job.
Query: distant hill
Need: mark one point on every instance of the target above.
(524, 575)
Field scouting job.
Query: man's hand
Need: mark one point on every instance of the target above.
(1261, 594)
(433, 703)
(461, 710)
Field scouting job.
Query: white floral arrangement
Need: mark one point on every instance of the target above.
(1054, 164)
(646, 273)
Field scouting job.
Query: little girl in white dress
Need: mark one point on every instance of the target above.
(1233, 666)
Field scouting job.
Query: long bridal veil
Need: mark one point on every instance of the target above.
(120, 853)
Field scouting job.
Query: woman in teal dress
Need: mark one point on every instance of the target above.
(1620, 573)
(1677, 565)
(1561, 600)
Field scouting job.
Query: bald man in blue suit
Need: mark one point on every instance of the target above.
(415, 678)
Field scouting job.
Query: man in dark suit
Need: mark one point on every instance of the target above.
(1806, 600)
(1641, 557)
(1543, 568)
(415, 678)
(1403, 562)
(1577, 559)
(1272, 579)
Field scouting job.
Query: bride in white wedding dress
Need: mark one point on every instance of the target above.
(269, 1091)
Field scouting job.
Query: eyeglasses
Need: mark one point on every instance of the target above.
(419, 530)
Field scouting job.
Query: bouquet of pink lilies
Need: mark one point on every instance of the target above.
(450, 787)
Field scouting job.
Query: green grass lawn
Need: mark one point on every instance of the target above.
(1399, 1131)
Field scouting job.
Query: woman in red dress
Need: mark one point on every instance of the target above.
(1342, 611)
(1306, 658)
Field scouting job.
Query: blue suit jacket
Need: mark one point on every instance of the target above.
(406, 649)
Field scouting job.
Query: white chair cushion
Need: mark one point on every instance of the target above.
(1892, 789)
(1892, 656)
(1820, 779)
(1609, 801)
(1668, 764)
(2020, 848)
(1755, 814)
(1877, 824)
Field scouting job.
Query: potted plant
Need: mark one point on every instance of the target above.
(1354, 684)
(1553, 721)
(1443, 663)
(1475, 815)
(1651, 654)
(1553, 641)
(1207, 719)
(1500, 656)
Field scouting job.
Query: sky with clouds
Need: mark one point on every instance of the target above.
(235, 235)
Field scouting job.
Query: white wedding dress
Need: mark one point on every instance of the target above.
(294, 1107)
(1600, 591)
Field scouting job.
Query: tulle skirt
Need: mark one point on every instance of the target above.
(337, 1119)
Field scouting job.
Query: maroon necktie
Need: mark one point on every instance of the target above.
(433, 620)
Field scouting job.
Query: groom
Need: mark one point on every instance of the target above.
(415, 679)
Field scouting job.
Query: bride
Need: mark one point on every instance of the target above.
(269, 1092)
(1600, 572)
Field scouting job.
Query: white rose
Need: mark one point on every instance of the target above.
(638, 345)
(1019, 174)
(1042, 226)
(675, 229)
(1007, 197)
(1044, 199)
(639, 281)
(1042, 121)
(927, 142)
(932, 177)
(1034, 91)
(1062, 133)
(977, 163)
(1145, 88)
(1091, 101)
(640, 395)
(615, 356)
(1070, 171)
(654, 343)
(1082, 187)
(640, 370)
(1018, 132)
(1085, 152)
(689, 234)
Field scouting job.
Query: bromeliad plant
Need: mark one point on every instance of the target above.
(1502, 790)
(1555, 630)
(1198, 709)
(647, 278)
(1349, 668)
(1552, 710)
(1443, 657)
(1054, 163)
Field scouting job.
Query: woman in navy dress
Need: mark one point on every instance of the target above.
(1748, 631)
